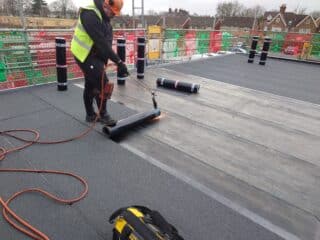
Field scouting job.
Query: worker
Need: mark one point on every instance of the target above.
(92, 48)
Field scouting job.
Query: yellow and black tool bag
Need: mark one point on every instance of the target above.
(141, 223)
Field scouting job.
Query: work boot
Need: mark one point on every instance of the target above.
(107, 120)
(91, 118)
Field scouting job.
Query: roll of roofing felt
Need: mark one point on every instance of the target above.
(128, 123)
(178, 85)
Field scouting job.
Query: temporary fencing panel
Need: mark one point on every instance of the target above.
(27, 57)
(170, 45)
(190, 42)
(154, 42)
(226, 41)
(277, 42)
(215, 41)
(296, 41)
(203, 40)
(315, 42)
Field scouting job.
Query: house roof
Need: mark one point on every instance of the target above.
(173, 21)
(273, 14)
(241, 22)
(293, 19)
(151, 19)
(201, 22)
(290, 19)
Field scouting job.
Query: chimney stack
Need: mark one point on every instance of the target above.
(283, 8)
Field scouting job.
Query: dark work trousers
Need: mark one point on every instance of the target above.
(93, 68)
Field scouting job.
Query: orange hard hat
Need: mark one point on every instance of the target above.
(115, 5)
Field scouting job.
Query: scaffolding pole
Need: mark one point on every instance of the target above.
(140, 14)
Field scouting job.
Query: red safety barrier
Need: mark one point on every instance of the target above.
(6, 85)
(16, 76)
(190, 43)
(293, 43)
(215, 41)
(20, 83)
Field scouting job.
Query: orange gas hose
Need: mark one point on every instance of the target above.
(24, 226)
(18, 222)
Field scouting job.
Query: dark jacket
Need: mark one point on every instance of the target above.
(100, 33)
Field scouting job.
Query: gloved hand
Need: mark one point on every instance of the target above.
(122, 69)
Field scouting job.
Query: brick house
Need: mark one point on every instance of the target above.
(306, 25)
(318, 23)
(283, 21)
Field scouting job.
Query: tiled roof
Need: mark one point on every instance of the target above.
(293, 18)
(290, 18)
(241, 22)
(151, 19)
(268, 13)
(173, 21)
(201, 22)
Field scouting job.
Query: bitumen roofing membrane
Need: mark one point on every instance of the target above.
(119, 176)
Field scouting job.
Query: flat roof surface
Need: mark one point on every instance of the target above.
(285, 78)
(227, 163)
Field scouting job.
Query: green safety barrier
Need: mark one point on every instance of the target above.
(70, 75)
(14, 35)
(3, 76)
(19, 55)
(277, 42)
(170, 45)
(203, 41)
(48, 79)
(315, 45)
(15, 55)
(32, 76)
(226, 41)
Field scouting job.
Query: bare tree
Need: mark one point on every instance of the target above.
(256, 11)
(40, 8)
(300, 10)
(63, 7)
(315, 14)
(2, 10)
(152, 12)
(27, 7)
(229, 9)
(10, 7)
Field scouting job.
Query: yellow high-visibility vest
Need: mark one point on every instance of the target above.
(82, 43)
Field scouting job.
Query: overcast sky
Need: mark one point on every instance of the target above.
(207, 7)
